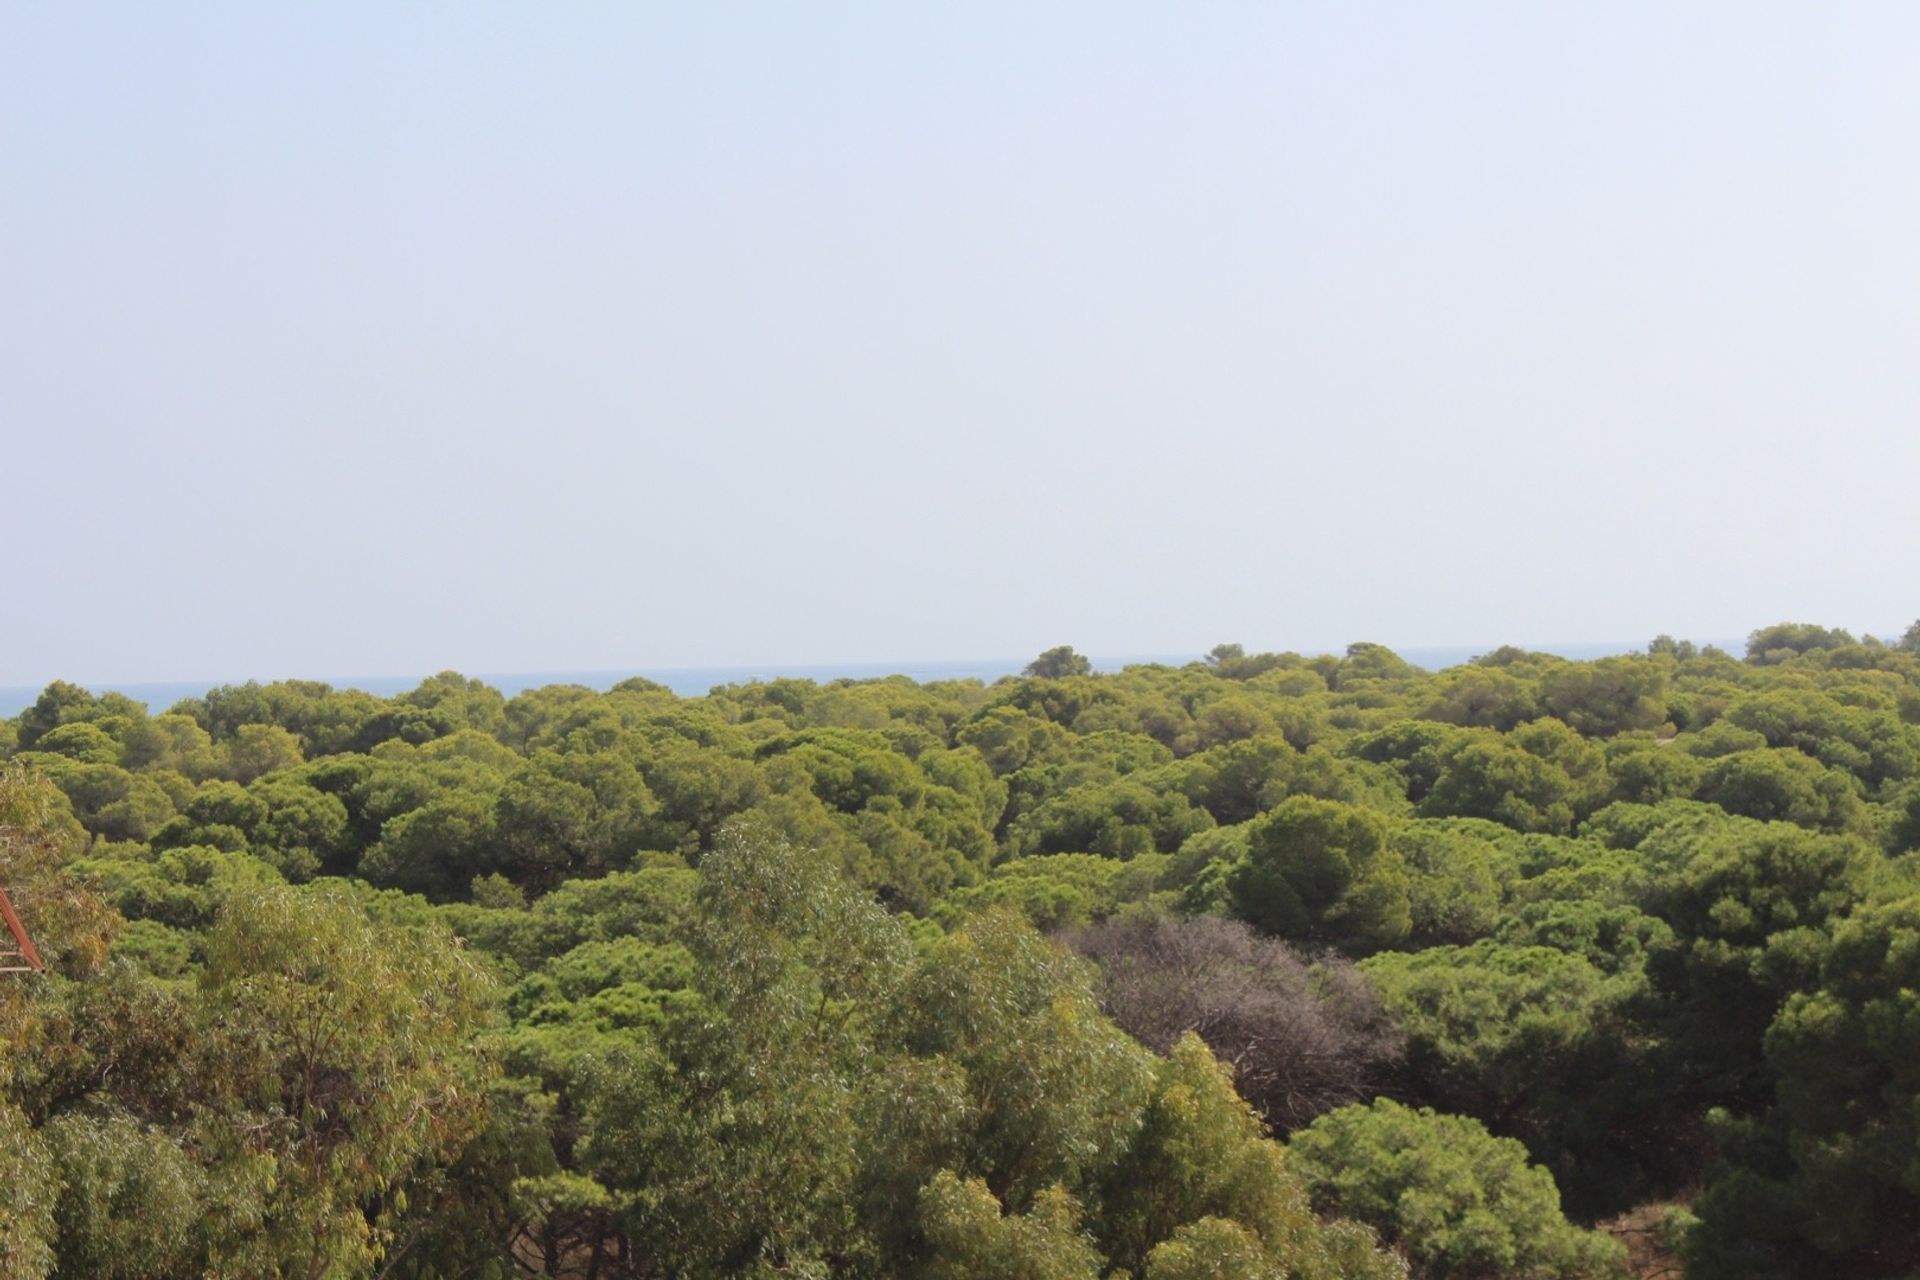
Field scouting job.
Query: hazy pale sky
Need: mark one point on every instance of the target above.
(364, 338)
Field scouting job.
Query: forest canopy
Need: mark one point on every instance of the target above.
(1265, 965)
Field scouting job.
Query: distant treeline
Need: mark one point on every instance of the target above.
(1261, 966)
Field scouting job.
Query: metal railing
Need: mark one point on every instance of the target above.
(16, 948)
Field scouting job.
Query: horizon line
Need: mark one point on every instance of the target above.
(880, 666)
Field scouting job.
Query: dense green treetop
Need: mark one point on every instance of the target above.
(877, 978)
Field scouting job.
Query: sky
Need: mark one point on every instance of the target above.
(372, 338)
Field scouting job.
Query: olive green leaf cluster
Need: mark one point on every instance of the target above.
(1462, 1203)
(270, 1116)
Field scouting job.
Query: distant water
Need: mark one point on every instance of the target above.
(688, 682)
(691, 682)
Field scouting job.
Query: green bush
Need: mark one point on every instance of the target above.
(1459, 1202)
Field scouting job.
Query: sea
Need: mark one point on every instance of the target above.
(691, 682)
